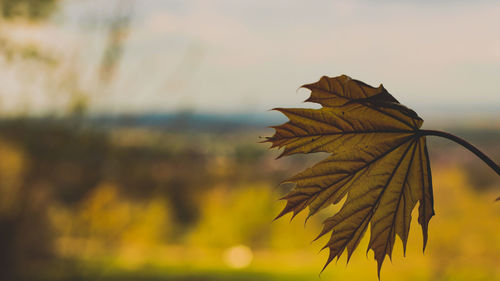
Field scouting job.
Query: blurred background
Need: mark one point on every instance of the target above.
(129, 134)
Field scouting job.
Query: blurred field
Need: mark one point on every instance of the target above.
(82, 201)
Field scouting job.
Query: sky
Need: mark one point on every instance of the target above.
(249, 56)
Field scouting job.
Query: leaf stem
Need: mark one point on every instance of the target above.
(465, 144)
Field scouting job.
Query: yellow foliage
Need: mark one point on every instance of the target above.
(12, 168)
(108, 224)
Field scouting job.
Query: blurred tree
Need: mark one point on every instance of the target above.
(31, 9)
(118, 30)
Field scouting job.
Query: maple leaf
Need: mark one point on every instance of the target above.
(378, 160)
